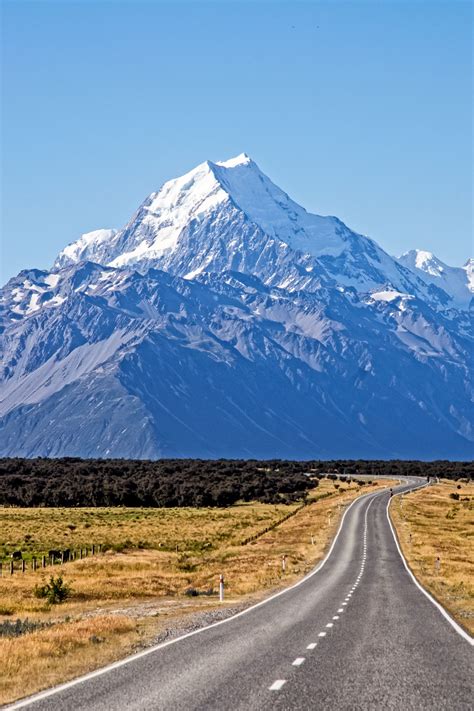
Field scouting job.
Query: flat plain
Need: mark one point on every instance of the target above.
(435, 527)
(161, 569)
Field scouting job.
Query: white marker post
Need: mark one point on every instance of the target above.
(283, 563)
(437, 565)
(312, 540)
(221, 588)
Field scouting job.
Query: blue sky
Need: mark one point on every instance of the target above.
(361, 110)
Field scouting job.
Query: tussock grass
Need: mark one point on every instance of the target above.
(431, 524)
(32, 661)
(125, 597)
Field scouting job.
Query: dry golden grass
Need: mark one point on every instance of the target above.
(35, 531)
(430, 524)
(133, 594)
(75, 647)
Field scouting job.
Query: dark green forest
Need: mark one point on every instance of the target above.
(189, 482)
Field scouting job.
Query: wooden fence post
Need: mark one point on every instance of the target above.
(33, 561)
(11, 567)
(43, 561)
(22, 565)
(93, 549)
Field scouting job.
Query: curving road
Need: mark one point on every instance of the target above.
(357, 633)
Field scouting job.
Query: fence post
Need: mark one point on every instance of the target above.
(62, 557)
(43, 561)
(80, 553)
(221, 588)
(52, 559)
(11, 567)
(33, 562)
(93, 549)
(22, 565)
(1, 569)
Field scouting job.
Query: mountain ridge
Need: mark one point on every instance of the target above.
(220, 337)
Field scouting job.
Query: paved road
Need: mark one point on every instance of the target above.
(358, 634)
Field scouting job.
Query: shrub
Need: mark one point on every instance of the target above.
(55, 592)
(454, 496)
(19, 627)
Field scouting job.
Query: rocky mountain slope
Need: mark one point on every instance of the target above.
(225, 321)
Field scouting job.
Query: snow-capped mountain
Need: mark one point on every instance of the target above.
(457, 282)
(225, 320)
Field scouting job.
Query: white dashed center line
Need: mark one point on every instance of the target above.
(330, 624)
(336, 617)
(276, 686)
(313, 645)
(322, 634)
(298, 661)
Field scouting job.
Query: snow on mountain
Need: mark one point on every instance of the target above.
(225, 320)
(229, 215)
(457, 282)
(150, 364)
(89, 244)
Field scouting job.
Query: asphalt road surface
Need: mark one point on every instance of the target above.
(356, 634)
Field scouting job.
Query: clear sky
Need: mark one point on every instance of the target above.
(356, 109)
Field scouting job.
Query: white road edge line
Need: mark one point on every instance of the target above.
(145, 652)
(465, 635)
(276, 686)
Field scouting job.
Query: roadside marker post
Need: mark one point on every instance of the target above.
(312, 540)
(283, 563)
(221, 588)
(437, 564)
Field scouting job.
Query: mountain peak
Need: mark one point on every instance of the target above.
(241, 159)
(455, 281)
(421, 259)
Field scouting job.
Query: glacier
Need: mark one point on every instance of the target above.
(224, 320)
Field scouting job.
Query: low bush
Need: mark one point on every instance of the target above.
(19, 627)
(55, 592)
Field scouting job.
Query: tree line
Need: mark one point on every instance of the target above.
(73, 481)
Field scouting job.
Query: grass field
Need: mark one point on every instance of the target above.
(120, 601)
(431, 524)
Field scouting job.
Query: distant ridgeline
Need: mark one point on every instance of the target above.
(189, 482)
